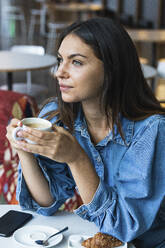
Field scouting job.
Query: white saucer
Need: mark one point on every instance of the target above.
(26, 236)
(75, 241)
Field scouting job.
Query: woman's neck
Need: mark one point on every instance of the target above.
(98, 125)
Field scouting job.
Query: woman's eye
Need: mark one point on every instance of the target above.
(76, 62)
(59, 60)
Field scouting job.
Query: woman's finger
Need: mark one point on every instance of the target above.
(46, 135)
(40, 137)
(34, 148)
(35, 139)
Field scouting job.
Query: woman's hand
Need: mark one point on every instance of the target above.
(58, 145)
(13, 124)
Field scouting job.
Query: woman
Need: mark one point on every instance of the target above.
(108, 140)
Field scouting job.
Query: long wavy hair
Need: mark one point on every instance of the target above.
(125, 90)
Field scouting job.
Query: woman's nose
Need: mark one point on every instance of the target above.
(62, 71)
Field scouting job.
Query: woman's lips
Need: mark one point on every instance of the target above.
(64, 87)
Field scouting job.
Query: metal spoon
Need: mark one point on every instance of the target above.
(45, 242)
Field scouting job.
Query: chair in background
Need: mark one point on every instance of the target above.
(29, 88)
(37, 17)
(54, 28)
(12, 15)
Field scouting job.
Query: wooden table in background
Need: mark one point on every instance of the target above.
(77, 8)
(154, 37)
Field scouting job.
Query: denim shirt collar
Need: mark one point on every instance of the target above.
(127, 127)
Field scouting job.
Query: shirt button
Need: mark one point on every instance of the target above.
(98, 159)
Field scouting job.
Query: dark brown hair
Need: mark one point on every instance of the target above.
(125, 90)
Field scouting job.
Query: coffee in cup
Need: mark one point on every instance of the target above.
(37, 125)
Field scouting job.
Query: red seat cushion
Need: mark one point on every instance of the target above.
(12, 105)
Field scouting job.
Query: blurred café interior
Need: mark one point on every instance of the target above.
(28, 32)
(25, 24)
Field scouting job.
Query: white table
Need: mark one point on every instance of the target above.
(13, 61)
(59, 220)
(150, 74)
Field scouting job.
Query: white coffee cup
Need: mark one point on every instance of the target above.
(36, 123)
(75, 240)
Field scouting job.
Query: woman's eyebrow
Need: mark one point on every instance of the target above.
(74, 55)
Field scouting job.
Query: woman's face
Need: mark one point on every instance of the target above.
(80, 73)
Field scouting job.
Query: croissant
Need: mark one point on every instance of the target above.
(101, 240)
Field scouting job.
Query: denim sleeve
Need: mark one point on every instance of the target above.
(58, 175)
(129, 208)
(60, 181)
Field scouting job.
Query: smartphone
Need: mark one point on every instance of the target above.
(13, 220)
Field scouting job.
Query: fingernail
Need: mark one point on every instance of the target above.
(19, 124)
(25, 149)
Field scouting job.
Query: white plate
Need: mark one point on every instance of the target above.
(26, 236)
(75, 241)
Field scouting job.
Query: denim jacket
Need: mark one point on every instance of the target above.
(128, 202)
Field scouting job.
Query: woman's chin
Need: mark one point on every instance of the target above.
(69, 99)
